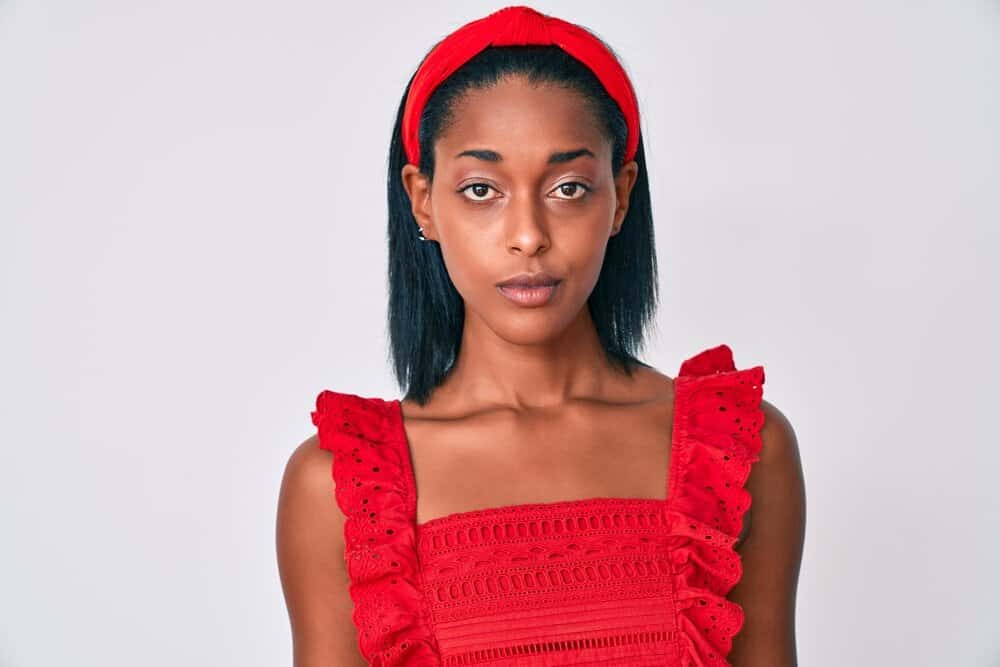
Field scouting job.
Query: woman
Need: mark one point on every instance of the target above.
(540, 495)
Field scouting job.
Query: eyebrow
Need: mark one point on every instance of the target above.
(559, 157)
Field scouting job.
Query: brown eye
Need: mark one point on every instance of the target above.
(573, 188)
(478, 190)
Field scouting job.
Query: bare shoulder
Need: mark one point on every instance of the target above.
(310, 553)
(777, 431)
(306, 498)
(776, 483)
(649, 384)
(308, 469)
(772, 552)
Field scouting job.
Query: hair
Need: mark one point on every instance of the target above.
(426, 313)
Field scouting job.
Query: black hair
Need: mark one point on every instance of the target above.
(426, 313)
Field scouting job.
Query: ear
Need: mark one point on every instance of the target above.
(418, 187)
(624, 181)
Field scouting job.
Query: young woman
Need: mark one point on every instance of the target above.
(540, 496)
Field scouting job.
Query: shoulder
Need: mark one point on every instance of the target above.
(776, 483)
(779, 442)
(306, 496)
(308, 467)
(647, 384)
(309, 522)
(655, 381)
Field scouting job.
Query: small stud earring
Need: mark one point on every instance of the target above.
(420, 234)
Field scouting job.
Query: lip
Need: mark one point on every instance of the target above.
(529, 280)
(529, 290)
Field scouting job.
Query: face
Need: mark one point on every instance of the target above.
(523, 183)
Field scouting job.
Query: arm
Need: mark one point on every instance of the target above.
(772, 551)
(310, 550)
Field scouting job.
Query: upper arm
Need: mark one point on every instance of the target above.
(772, 550)
(310, 552)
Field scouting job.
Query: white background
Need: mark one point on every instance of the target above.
(192, 245)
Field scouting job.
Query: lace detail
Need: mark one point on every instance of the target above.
(475, 563)
(717, 423)
(369, 466)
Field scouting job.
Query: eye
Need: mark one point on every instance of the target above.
(479, 190)
(574, 187)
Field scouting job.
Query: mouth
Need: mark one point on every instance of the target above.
(529, 290)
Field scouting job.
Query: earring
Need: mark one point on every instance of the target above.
(420, 235)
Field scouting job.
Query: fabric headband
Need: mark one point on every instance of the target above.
(517, 25)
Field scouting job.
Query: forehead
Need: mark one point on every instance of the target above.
(517, 117)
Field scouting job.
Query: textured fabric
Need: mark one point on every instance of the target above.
(599, 581)
(517, 25)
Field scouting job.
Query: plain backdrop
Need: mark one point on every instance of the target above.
(192, 246)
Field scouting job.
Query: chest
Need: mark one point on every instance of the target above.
(501, 458)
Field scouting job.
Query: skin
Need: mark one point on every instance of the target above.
(532, 411)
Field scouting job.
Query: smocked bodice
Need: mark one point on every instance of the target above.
(598, 581)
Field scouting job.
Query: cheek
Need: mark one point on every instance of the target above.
(468, 260)
(588, 271)
(584, 247)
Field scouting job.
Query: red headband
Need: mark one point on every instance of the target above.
(517, 26)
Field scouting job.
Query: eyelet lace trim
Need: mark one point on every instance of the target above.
(716, 440)
(379, 531)
(717, 426)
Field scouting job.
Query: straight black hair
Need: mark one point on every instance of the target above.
(426, 313)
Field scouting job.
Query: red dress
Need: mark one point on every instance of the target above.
(599, 581)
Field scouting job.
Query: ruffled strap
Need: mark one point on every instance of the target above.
(717, 422)
(374, 493)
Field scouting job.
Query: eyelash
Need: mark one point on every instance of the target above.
(586, 190)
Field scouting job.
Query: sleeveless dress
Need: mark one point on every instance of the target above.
(597, 581)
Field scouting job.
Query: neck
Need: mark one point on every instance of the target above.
(495, 370)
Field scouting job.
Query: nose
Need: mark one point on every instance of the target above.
(527, 230)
